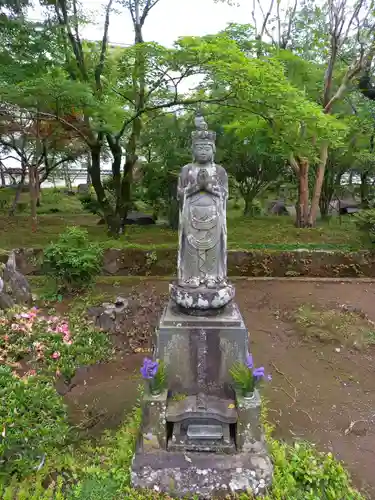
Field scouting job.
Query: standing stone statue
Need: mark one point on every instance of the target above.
(202, 258)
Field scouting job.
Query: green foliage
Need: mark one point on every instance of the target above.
(243, 378)
(90, 204)
(33, 420)
(50, 344)
(73, 261)
(160, 379)
(303, 473)
(365, 220)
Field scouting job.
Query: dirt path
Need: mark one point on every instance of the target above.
(316, 391)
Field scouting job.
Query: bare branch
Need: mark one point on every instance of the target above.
(265, 18)
(149, 5)
(174, 102)
(99, 68)
(285, 38)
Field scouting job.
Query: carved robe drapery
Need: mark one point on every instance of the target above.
(202, 231)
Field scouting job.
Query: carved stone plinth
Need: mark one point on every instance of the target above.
(199, 351)
(202, 298)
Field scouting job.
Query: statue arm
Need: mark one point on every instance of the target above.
(186, 188)
(224, 181)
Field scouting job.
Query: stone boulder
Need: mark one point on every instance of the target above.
(83, 189)
(139, 219)
(15, 283)
(6, 301)
(109, 316)
(277, 207)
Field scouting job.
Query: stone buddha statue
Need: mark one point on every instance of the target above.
(202, 193)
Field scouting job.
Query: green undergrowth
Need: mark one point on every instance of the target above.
(258, 233)
(101, 470)
(336, 326)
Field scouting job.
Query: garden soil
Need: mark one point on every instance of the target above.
(320, 392)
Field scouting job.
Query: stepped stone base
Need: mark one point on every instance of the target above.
(206, 475)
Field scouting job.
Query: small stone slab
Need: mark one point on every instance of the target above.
(182, 475)
(227, 317)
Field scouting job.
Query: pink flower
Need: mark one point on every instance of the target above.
(6, 337)
(56, 355)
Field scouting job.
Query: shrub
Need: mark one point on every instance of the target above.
(365, 221)
(73, 261)
(303, 473)
(50, 344)
(33, 420)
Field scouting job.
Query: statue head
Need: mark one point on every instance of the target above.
(203, 142)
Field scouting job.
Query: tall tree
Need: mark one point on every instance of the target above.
(326, 34)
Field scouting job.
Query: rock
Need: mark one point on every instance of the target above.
(6, 301)
(95, 311)
(15, 282)
(69, 192)
(83, 188)
(109, 315)
(121, 304)
(277, 207)
(139, 219)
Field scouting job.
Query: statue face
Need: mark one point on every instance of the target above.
(203, 152)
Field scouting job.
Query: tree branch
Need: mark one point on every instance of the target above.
(175, 102)
(99, 68)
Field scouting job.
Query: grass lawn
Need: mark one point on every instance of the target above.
(243, 233)
(59, 211)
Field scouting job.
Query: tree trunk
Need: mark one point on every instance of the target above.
(302, 207)
(318, 186)
(37, 187)
(112, 219)
(68, 182)
(248, 209)
(3, 183)
(88, 177)
(33, 197)
(17, 195)
(350, 181)
(116, 151)
(364, 190)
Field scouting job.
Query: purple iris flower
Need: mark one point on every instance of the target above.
(249, 361)
(269, 378)
(149, 368)
(258, 373)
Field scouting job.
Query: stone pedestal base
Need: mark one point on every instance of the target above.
(183, 475)
(199, 438)
(160, 465)
(199, 351)
(202, 298)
